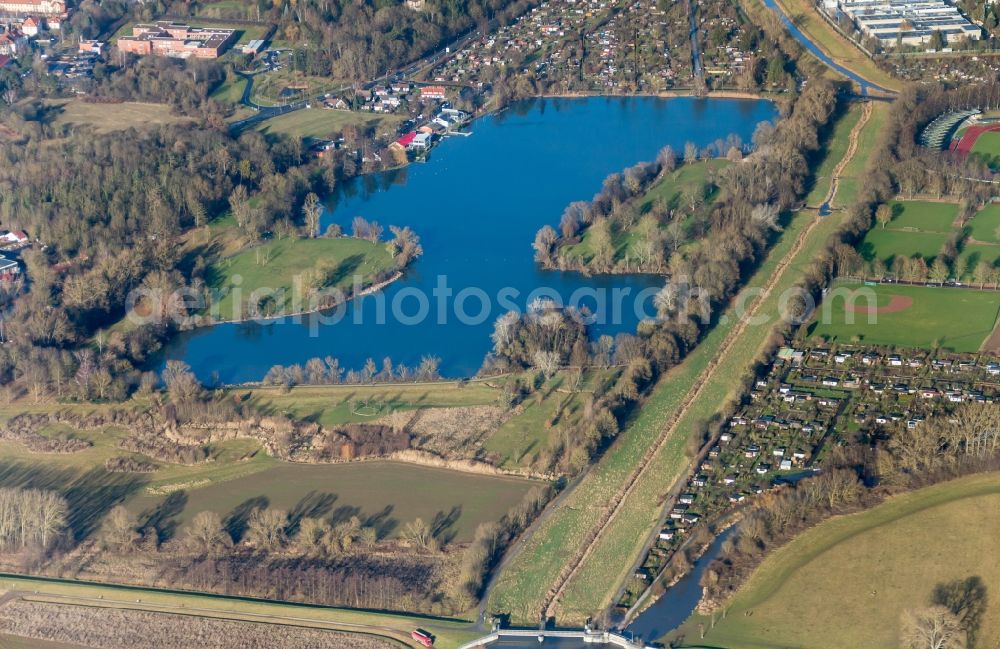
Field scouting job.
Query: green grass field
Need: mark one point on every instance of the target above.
(108, 118)
(985, 226)
(970, 257)
(230, 91)
(886, 244)
(868, 140)
(955, 319)
(521, 587)
(845, 582)
(917, 228)
(925, 216)
(331, 405)
(833, 153)
(286, 260)
(323, 123)
(386, 495)
(987, 147)
(523, 437)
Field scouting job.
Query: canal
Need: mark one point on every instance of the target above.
(476, 205)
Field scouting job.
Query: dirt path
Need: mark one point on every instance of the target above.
(615, 507)
(852, 148)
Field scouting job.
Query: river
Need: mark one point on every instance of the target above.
(476, 205)
(679, 601)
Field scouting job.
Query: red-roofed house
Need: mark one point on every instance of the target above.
(407, 139)
(432, 92)
(4, 60)
(17, 236)
(31, 26)
(12, 42)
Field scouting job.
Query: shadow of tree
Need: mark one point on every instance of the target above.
(163, 517)
(313, 505)
(235, 522)
(89, 495)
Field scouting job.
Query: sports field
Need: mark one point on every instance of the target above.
(917, 228)
(985, 226)
(845, 582)
(987, 147)
(958, 319)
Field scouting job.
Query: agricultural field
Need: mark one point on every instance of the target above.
(385, 495)
(279, 264)
(388, 494)
(75, 114)
(324, 123)
(851, 577)
(449, 633)
(908, 316)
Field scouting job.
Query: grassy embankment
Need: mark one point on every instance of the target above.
(556, 406)
(671, 189)
(522, 587)
(845, 582)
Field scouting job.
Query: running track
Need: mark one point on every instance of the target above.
(968, 139)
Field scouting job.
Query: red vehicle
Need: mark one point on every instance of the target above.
(422, 637)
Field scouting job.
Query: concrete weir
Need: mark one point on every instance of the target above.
(585, 635)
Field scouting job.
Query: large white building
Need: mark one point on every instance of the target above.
(910, 22)
(47, 8)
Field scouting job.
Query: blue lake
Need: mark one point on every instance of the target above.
(476, 205)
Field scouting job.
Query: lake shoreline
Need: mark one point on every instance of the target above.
(368, 290)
